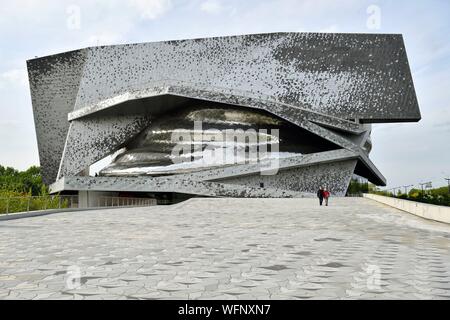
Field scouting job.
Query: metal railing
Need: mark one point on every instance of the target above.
(35, 203)
(125, 202)
(354, 195)
(10, 205)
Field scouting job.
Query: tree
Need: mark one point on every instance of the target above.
(28, 182)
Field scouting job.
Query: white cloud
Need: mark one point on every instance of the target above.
(14, 77)
(100, 22)
(212, 6)
(331, 29)
(151, 9)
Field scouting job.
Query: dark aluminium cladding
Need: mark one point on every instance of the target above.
(88, 103)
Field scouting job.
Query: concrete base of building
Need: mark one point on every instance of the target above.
(92, 199)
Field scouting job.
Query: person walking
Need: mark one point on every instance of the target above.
(326, 195)
(320, 195)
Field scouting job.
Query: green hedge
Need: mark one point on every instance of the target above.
(22, 204)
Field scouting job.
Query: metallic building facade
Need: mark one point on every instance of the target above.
(321, 92)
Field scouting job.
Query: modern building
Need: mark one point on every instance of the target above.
(263, 115)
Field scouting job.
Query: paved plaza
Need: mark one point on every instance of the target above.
(227, 249)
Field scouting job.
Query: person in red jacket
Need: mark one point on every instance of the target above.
(326, 195)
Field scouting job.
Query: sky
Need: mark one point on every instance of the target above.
(406, 153)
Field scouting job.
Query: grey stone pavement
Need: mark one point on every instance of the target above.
(227, 249)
